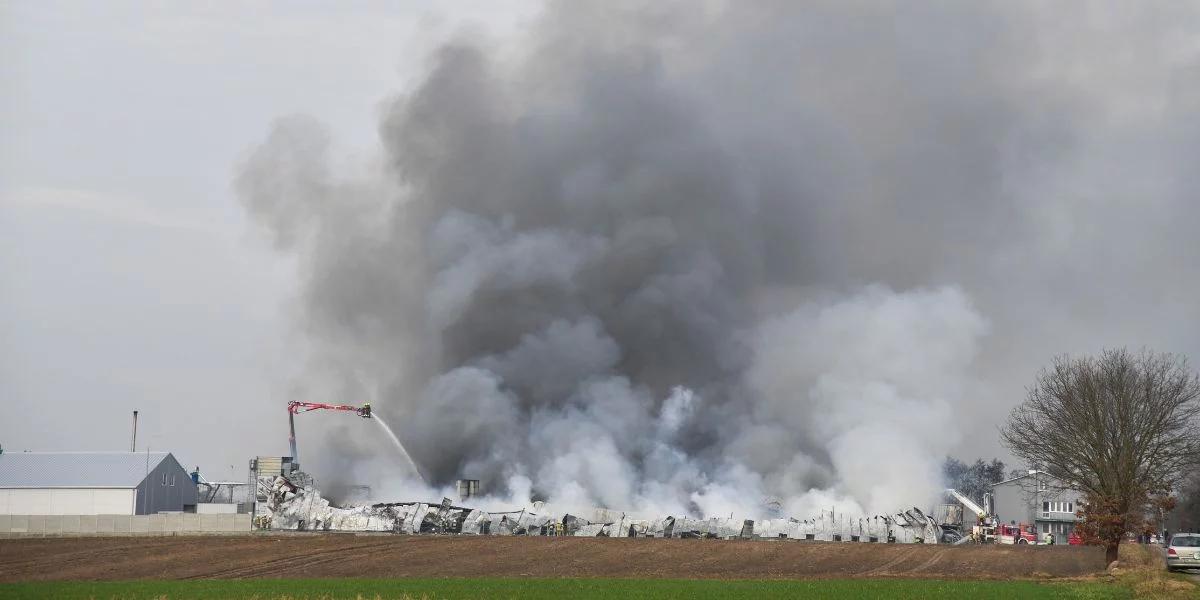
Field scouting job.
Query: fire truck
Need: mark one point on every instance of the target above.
(1016, 534)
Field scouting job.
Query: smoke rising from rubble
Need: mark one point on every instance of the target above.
(676, 259)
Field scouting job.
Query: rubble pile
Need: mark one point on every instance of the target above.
(295, 504)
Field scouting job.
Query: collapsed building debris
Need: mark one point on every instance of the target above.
(294, 503)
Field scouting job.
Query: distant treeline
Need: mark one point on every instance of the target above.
(973, 479)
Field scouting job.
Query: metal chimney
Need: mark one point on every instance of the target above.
(133, 444)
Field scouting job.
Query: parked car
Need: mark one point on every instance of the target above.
(1184, 551)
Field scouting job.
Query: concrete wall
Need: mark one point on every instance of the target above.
(163, 524)
(66, 501)
(167, 488)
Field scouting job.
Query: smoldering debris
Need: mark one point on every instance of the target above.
(295, 504)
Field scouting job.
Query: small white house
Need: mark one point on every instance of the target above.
(93, 483)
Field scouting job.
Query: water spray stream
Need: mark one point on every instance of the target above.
(399, 447)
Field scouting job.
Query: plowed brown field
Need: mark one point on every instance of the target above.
(343, 555)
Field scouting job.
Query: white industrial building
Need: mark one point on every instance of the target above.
(93, 483)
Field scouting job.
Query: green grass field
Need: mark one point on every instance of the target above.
(558, 589)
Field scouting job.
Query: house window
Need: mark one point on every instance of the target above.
(1058, 507)
(164, 481)
(172, 480)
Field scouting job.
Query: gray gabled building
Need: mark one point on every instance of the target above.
(93, 483)
(1037, 498)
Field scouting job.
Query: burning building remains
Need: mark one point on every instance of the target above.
(294, 503)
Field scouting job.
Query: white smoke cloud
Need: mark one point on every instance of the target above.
(875, 379)
(871, 380)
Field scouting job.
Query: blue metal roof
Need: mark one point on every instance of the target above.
(77, 469)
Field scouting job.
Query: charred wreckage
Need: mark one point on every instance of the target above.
(293, 502)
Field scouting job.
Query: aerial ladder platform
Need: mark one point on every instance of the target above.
(295, 407)
(984, 531)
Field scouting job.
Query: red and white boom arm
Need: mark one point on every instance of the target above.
(294, 407)
(968, 503)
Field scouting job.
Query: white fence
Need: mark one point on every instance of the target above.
(161, 524)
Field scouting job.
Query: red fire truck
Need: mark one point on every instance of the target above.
(1016, 534)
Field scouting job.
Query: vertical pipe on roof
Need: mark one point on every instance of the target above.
(292, 436)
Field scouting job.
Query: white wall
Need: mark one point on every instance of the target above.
(66, 501)
(163, 524)
(213, 508)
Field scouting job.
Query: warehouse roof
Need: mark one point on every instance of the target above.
(77, 469)
(1021, 476)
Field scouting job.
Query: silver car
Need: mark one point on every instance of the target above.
(1184, 551)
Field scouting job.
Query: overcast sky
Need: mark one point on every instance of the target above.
(131, 277)
(1037, 157)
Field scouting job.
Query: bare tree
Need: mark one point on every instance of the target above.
(973, 480)
(1122, 428)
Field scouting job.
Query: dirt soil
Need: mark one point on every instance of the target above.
(345, 555)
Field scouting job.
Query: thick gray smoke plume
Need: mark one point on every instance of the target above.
(682, 257)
